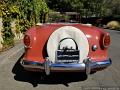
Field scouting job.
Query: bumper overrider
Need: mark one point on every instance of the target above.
(87, 66)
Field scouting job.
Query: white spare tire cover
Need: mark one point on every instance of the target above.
(67, 32)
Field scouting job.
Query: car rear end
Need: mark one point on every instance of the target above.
(66, 48)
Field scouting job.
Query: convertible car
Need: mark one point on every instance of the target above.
(69, 47)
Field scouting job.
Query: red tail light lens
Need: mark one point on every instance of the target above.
(27, 40)
(106, 41)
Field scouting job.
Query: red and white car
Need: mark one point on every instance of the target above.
(66, 47)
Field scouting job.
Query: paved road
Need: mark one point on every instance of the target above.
(13, 78)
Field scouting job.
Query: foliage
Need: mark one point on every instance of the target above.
(8, 43)
(6, 13)
(8, 36)
(113, 25)
(87, 8)
(113, 7)
(33, 10)
(77, 5)
(24, 25)
(40, 9)
(57, 17)
(26, 13)
(60, 5)
(7, 9)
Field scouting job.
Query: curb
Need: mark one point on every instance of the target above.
(6, 55)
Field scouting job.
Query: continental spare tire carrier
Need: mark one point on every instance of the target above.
(67, 45)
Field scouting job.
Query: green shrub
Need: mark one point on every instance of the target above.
(8, 36)
(113, 25)
(57, 17)
(8, 43)
(24, 25)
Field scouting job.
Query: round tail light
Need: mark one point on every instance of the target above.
(27, 40)
(106, 40)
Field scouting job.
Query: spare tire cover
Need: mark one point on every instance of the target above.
(67, 32)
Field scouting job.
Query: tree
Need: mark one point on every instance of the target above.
(86, 8)
(113, 7)
(27, 13)
(60, 5)
(33, 10)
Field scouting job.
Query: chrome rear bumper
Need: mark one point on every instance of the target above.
(87, 66)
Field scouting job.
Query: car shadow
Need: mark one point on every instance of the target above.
(36, 78)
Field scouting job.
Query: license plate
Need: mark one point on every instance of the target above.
(67, 56)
